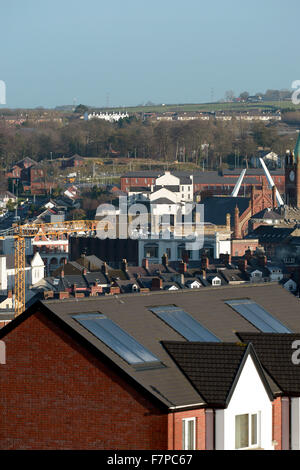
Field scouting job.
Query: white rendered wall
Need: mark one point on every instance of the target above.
(295, 423)
(167, 180)
(249, 397)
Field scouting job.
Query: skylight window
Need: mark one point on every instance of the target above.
(258, 316)
(183, 323)
(116, 339)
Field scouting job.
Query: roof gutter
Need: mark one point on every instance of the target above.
(179, 407)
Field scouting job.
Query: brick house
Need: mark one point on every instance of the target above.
(31, 175)
(153, 371)
(209, 182)
(73, 162)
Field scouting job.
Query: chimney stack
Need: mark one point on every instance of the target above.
(237, 231)
(145, 263)
(124, 265)
(204, 262)
(104, 268)
(262, 261)
(243, 264)
(227, 258)
(164, 259)
(228, 217)
(182, 267)
(185, 257)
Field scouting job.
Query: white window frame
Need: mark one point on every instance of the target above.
(185, 436)
(258, 430)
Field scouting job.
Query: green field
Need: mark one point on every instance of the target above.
(209, 107)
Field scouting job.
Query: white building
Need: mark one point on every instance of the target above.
(181, 186)
(111, 117)
(247, 421)
(34, 272)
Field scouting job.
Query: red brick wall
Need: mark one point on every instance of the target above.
(54, 394)
(175, 429)
(238, 247)
(143, 182)
(277, 422)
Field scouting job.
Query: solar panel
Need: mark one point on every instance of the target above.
(183, 323)
(258, 316)
(115, 338)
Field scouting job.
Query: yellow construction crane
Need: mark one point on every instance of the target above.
(20, 232)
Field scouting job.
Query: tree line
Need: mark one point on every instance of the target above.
(197, 141)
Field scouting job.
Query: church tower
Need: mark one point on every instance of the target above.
(292, 176)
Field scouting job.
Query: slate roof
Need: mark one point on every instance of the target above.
(254, 171)
(127, 286)
(136, 271)
(172, 188)
(267, 214)
(162, 200)
(233, 275)
(91, 262)
(68, 281)
(96, 276)
(70, 268)
(216, 208)
(210, 367)
(141, 174)
(213, 177)
(154, 269)
(275, 352)
(265, 233)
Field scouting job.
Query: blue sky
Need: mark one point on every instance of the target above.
(127, 52)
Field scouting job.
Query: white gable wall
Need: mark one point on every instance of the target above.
(165, 193)
(249, 397)
(295, 423)
(167, 180)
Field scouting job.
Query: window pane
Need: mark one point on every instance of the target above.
(258, 316)
(191, 431)
(183, 323)
(115, 338)
(188, 434)
(241, 431)
(253, 429)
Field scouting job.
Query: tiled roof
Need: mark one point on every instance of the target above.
(210, 367)
(275, 351)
